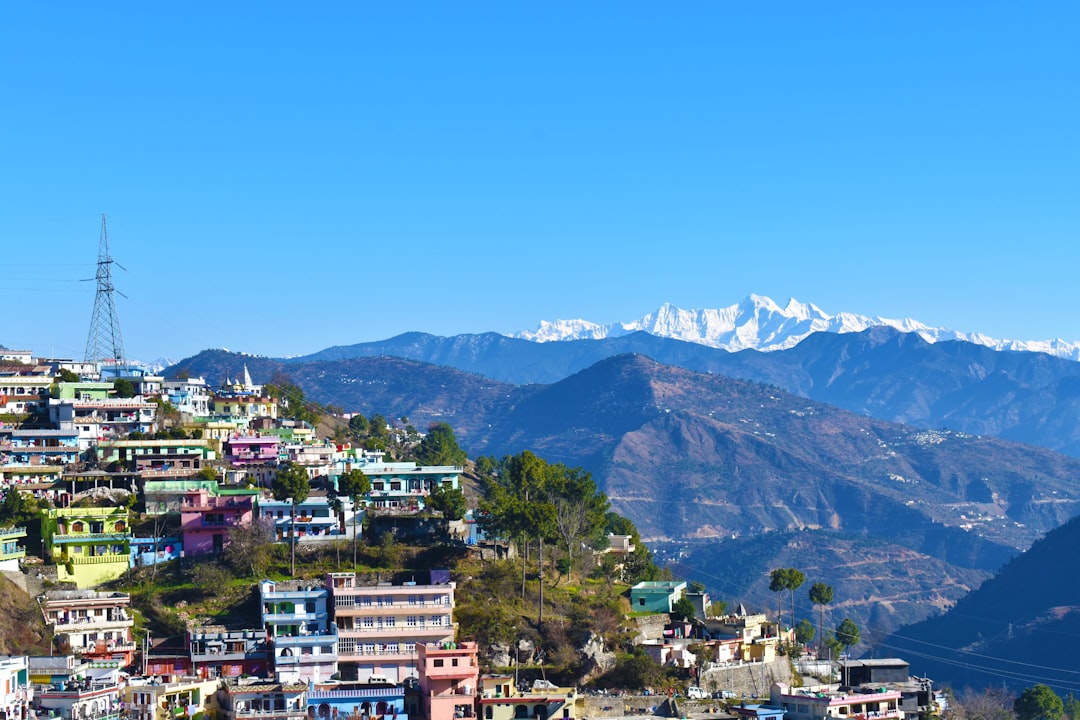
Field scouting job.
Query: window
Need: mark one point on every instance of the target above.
(410, 621)
(438, 662)
(641, 601)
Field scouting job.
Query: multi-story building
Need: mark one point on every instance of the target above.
(73, 690)
(11, 549)
(156, 458)
(190, 396)
(262, 700)
(23, 394)
(243, 407)
(94, 625)
(220, 652)
(501, 700)
(38, 447)
(303, 639)
(192, 698)
(804, 704)
(352, 701)
(103, 419)
(315, 520)
(15, 693)
(380, 625)
(449, 675)
(89, 545)
(205, 520)
(251, 457)
(403, 486)
(41, 481)
(318, 460)
(917, 699)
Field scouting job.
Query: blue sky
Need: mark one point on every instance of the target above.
(282, 177)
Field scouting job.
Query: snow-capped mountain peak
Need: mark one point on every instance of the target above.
(757, 322)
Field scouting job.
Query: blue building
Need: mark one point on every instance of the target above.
(303, 640)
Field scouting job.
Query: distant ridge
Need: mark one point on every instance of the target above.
(759, 323)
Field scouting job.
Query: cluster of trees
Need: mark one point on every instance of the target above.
(536, 503)
(291, 401)
(845, 635)
(1038, 702)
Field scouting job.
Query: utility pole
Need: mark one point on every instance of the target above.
(104, 341)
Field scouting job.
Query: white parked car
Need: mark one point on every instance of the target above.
(695, 693)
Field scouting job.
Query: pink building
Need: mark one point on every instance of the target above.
(205, 520)
(253, 458)
(448, 677)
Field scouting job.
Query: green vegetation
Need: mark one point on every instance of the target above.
(291, 482)
(353, 485)
(821, 595)
(440, 447)
(1038, 702)
(789, 579)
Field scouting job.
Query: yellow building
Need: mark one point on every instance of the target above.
(89, 545)
(192, 698)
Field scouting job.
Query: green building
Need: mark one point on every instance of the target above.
(89, 545)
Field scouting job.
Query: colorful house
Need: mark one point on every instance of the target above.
(251, 457)
(23, 394)
(74, 690)
(449, 677)
(94, 625)
(11, 548)
(89, 545)
(146, 551)
(220, 652)
(38, 447)
(656, 596)
(156, 458)
(205, 520)
(381, 625)
(403, 486)
(303, 640)
(192, 698)
(500, 700)
(804, 704)
(103, 419)
(262, 700)
(15, 692)
(349, 701)
(315, 520)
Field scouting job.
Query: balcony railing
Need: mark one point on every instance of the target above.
(91, 623)
(89, 538)
(99, 559)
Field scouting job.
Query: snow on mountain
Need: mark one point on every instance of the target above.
(760, 323)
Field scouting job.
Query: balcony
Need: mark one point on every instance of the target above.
(82, 624)
(304, 640)
(399, 631)
(452, 672)
(99, 559)
(104, 648)
(89, 538)
(395, 610)
(305, 659)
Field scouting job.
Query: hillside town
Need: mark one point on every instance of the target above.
(119, 477)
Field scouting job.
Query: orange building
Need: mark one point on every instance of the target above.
(448, 678)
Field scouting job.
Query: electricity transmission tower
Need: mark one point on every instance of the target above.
(104, 342)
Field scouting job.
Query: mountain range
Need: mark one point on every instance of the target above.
(759, 323)
(903, 472)
(902, 521)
